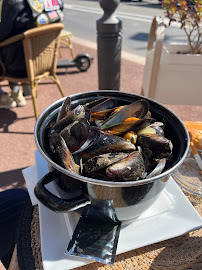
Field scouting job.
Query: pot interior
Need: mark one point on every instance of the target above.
(174, 128)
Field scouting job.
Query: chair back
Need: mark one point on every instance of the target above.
(41, 46)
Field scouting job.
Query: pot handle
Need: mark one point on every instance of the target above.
(53, 202)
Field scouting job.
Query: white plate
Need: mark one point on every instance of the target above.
(177, 218)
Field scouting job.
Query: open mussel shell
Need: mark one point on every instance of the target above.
(76, 133)
(129, 125)
(143, 124)
(101, 104)
(130, 168)
(101, 108)
(61, 153)
(152, 128)
(108, 143)
(79, 112)
(100, 115)
(159, 128)
(137, 109)
(93, 137)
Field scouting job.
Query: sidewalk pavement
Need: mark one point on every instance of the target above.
(17, 125)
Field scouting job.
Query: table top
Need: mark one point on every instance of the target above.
(183, 252)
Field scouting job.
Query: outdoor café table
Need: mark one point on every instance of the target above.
(183, 252)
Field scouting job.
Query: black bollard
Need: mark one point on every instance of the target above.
(109, 38)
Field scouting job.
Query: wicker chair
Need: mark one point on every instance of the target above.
(41, 46)
(65, 39)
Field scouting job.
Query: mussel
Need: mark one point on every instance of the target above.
(100, 162)
(61, 153)
(108, 144)
(109, 141)
(155, 146)
(130, 168)
(153, 128)
(127, 118)
(101, 108)
(135, 110)
(78, 133)
(79, 112)
(65, 109)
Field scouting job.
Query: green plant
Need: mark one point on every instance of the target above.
(189, 15)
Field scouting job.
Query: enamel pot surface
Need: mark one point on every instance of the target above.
(130, 199)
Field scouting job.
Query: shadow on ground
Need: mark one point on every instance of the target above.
(141, 36)
(155, 4)
(9, 179)
(8, 117)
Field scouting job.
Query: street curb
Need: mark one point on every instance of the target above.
(124, 55)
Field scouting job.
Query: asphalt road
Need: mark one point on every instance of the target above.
(80, 18)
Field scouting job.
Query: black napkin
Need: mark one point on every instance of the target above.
(96, 234)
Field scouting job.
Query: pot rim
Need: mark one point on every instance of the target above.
(102, 182)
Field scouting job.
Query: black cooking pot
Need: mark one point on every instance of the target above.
(130, 199)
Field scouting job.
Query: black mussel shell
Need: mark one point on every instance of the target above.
(101, 104)
(93, 137)
(65, 109)
(130, 168)
(76, 114)
(60, 153)
(107, 144)
(76, 134)
(102, 161)
(155, 146)
(136, 109)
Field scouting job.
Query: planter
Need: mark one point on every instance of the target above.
(169, 76)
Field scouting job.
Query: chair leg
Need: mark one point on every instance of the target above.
(55, 79)
(67, 42)
(71, 47)
(34, 96)
(60, 52)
